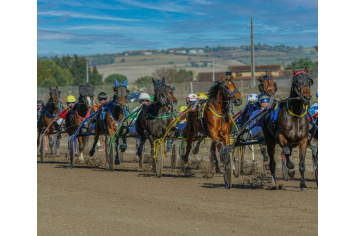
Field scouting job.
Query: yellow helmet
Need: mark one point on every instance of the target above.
(182, 108)
(71, 98)
(202, 96)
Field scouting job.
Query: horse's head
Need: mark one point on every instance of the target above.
(301, 85)
(86, 94)
(230, 90)
(163, 93)
(267, 85)
(54, 94)
(121, 94)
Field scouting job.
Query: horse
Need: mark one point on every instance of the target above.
(49, 112)
(81, 110)
(214, 119)
(154, 119)
(291, 127)
(111, 116)
(269, 86)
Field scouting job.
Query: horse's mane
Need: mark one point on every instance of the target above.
(213, 91)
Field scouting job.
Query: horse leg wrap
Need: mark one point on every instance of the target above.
(286, 150)
(123, 147)
(264, 153)
(81, 146)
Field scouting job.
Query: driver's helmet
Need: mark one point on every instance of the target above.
(70, 99)
(263, 97)
(191, 98)
(40, 103)
(102, 95)
(252, 98)
(202, 96)
(144, 96)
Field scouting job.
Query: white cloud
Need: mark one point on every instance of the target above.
(85, 16)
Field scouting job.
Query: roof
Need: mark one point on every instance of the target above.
(258, 68)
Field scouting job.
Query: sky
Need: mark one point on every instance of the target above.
(111, 26)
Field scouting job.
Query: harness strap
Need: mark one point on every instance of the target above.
(83, 118)
(299, 72)
(290, 112)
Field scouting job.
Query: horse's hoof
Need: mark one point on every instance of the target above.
(185, 158)
(290, 165)
(266, 165)
(117, 161)
(272, 187)
(91, 153)
(291, 173)
(217, 169)
(195, 152)
(303, 189)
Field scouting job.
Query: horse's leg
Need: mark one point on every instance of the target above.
(196, 149)
(214, 158)
(271, 146)
(303, 145)
(81, 148)
(263, 150)
(190, 139)
(287, 151)
(123, 146)
(92, 150)
(50, 141)
(117, 159)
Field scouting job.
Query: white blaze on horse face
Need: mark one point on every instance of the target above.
(88, 100)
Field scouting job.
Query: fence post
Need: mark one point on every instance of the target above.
(242, 87)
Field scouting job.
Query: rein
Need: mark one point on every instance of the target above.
(83, 118)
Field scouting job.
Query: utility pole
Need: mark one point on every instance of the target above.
(213, 71)
(253, 82)
(87, 71)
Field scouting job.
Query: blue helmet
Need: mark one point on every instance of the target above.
(316, 93)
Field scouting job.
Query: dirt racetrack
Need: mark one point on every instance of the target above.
(90, 200)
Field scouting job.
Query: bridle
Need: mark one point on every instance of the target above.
(268, 88)
(299, 92)
(228, 93)
(159, 90)
(122, 95)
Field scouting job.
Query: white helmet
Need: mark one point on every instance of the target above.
(252, 97)
(144, 96)
(192, 98)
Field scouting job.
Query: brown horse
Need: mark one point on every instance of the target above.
(81, 110)
(215, 120)
(292, 126)
(109, 118)
(153, 120)
(48, 113)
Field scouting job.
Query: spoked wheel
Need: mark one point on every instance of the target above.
(284, 168)
(315, 163)
(237, 161)
(72, 153)
(121, 154)
(41, 148)
(110, 149)
(174, 157)
(159, 159)
(228, 170)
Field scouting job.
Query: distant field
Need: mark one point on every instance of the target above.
(137, 66)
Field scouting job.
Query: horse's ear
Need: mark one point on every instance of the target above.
(50, 88)
(164, 80)
(294, 71)
(260, 79)
(222, 78)
(57, 87)
(77, 83)
(306, 69)
(153, 80)
(232, 77)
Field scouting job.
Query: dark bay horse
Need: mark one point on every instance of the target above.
(110, 117)
(81, 110)
(153, 120)
(48, 113)
(292, 126)
(214, 119)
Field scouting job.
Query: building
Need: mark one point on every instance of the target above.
(147, 53)
(192, 51)
(245, 71)
(208, 76)
(182, 52)
(200, 51)
(171, 51)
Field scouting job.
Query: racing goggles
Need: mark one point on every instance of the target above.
(264, 100)
(70, 103)
(102, 99)
(144, 100)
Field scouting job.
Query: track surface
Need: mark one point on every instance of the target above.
(90, 200)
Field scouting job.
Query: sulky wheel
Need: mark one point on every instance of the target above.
(42, 137)
(228, 169)
(110, 149)
(285, 169)
(121, 154)
(72, 152)
(237, 161)
(159, 159)
(315, 163)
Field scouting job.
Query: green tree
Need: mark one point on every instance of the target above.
(95, 77)
(143, 81)
(111, 78)
(302, 63)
